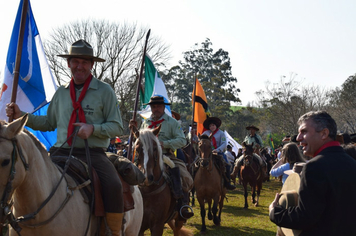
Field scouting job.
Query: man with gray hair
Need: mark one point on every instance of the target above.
(327, 181)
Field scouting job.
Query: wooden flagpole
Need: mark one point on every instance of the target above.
(137, 95)
(16, 71)
(191, 135)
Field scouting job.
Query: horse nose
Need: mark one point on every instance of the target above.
(150, 178)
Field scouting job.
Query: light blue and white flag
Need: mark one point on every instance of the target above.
(230, 141)
(36, 84)
(154, 86)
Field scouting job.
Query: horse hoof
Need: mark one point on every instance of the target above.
(245, 207)
(256, 204)
(217, 222)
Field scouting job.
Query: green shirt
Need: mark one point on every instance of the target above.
(171, 134)
(101, 110)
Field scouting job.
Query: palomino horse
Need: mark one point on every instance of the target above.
(251, 174)
(158, 202)
(35, 197)
(208, 183)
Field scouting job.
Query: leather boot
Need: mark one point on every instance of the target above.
(182, 205)
(114, 223)
(227, 179)
(185, 211)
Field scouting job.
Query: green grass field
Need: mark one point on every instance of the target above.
(235, 220)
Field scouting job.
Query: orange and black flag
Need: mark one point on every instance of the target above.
(201, 108)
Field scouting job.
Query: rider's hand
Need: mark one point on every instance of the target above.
(132, 123)
(274, 203)
(12, 110)
(85, 130)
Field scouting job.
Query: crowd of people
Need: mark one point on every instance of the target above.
(88, 108)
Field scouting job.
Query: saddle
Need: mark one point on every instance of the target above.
(79, 172)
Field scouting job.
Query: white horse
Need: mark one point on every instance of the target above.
(133, 218)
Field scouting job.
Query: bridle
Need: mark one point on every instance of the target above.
(154, 182)
(248, 160)
(6, 214)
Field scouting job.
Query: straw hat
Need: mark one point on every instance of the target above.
(81, 49)
(289, 197)
(297, 168)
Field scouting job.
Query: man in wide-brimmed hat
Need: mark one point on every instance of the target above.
(256, 139)
(253, 137)
(171, 137)
(89, 106)
(327, 183)
(219, 143)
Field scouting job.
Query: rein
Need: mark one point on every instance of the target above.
(254, 171)
(6, 206)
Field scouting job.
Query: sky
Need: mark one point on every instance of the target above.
(314, 40)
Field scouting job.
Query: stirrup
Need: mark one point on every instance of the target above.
(185, 206)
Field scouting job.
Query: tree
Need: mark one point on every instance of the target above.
(344, 105)
(213, 69)
(284, 102)
(122, 47)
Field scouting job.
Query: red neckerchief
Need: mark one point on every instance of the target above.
(77, 106)
(214, 140)
(326, 145)
(155, 123)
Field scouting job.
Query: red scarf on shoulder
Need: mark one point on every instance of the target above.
(77, 106)
(214, 140)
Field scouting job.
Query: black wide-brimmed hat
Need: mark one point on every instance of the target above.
(81, 49)
(157, 100)
(212, 120)
(252, 127)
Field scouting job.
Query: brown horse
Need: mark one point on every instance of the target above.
(208, 183)
(158, 202)
(251, 174)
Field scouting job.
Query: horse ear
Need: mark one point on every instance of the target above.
(156, 130)
(244, 144)
(135, 131)
(199, 136)
(15, 127)
(211, 136)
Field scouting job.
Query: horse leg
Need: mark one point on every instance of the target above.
(221, 204)
(192, 192)
(157, 229)
(202, 214)
(253, 194)
(215, 211)
(259, 187)
(210, 215)
(245, 195)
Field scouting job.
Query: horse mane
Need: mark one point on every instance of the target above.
(37, 143)
(146, 137)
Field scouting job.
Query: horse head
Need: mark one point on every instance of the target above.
(149, 153)
(248, 153)
(205, 150)
(9, 180)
